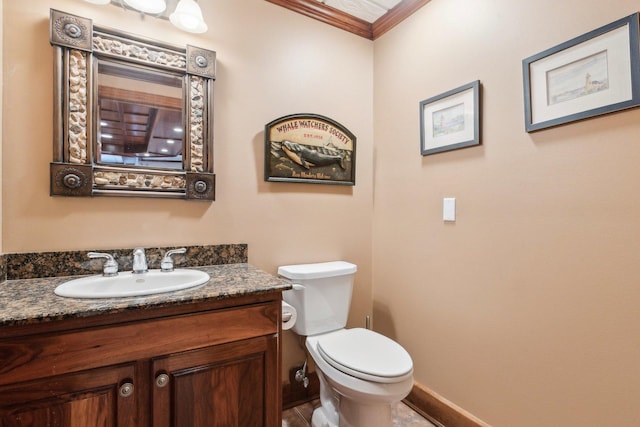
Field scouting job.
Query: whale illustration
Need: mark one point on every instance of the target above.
(307, 157)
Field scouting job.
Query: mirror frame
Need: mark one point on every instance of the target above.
(78, 45)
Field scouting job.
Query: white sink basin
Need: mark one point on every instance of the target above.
(127, 284)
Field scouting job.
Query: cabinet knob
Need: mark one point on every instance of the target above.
(162, 380)
(126, 389)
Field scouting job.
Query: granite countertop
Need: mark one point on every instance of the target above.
(29, 301)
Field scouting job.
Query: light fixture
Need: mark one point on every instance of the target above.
(147, 6)
(188, 17)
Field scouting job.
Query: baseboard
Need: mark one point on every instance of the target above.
(439, 410)
(294, 393)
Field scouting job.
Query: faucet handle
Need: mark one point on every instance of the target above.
(139, 264)
(166, 264)
(110, 266)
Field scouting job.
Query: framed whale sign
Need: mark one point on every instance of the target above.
(309, 148)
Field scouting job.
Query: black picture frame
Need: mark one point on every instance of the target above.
(451, 120)
(607, 59)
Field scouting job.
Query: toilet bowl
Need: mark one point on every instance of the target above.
(359, 386)
(361, 372)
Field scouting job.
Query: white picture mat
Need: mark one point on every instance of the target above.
(467, 134)
(616, 44)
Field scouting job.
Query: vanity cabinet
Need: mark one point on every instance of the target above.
(202, 364)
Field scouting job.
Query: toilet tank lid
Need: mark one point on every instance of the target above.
(317, 270)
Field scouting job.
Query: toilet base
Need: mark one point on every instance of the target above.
(337, 410)
(355, 415)
(319, 419)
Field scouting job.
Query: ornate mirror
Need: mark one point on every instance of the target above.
(132, 117)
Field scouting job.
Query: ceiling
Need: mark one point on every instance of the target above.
(366, 18)
(369, 10)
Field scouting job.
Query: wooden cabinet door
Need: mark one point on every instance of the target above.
(94, 398)
(228, 385)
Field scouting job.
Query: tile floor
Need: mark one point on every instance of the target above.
(403, 416)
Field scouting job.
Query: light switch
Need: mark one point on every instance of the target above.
(449, 209)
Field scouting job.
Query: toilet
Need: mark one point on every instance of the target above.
(361, 372)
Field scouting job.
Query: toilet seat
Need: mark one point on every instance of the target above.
(367, 355)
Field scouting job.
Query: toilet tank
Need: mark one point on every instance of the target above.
(321, 295)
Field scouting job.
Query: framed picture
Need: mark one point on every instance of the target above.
(594, 74)
(309, 148)
(451, 120)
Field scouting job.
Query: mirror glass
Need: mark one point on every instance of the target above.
(139, 116)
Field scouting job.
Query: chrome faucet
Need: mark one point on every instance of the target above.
(166, 265)
(139, 261)
(110, 266)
